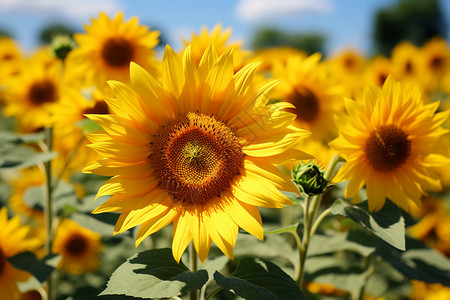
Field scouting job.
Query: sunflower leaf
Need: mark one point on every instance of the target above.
(154, 274)
(27, 261)
(255, 278)
(89, 126)
(388, 223)
(417, 262)
(14, 155)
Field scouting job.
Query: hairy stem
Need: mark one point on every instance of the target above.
(193, 295)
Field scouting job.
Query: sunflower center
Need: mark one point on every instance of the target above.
(408, 67)
(100, 107)
(196, 157)
(2, 261)
(42, 92)
(437, 63)
(382, 78)
(387, 148)
(76, 245)
(306, 104)
(117, 52)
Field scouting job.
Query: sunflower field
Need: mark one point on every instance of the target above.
(218, 172)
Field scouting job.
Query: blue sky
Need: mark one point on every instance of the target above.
(346, 23)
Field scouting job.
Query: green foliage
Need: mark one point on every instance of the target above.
(388, 223)
(259, 279)
(412, 20)
(48, 32)
(39, 268)
(269, 37)
(154, 274)
(15, 154)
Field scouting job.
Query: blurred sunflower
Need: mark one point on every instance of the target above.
(219, 38)
(13, 240)
(435, 63)
(405, 62)
(68, 115)
(378, 69)
(108, 47)
(386, 140)
(316, 95)
(79, 247)
(9, 51)
(199, 150)
(33, 94)
(348, 66)
(275, 55)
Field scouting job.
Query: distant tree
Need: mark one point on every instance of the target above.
(5, 33)
(412, 20)
(49, 31)
(270, 37)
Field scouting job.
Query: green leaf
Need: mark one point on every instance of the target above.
(27, 261)
(418, 262)
(291, 228)
(17, 156)
(16, 138)
(63, 195)
(93, 224)
(259, 279)
(89, 126)
(355, 241)
(154, 274)
(388, 223)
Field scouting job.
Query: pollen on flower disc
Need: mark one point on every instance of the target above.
(117, 52)
(306, 104)
(387, 148)
(76, 245)
(196, 157)
(42, 92)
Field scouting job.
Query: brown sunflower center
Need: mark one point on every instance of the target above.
(306, 104)
(196, 157)
(100, 107)
(42, 92)
(437, 63)
(117, 52)
(31, 295)
(387, 148)
(382, 78)
(76, 245)
(2, 261)
(408, 67)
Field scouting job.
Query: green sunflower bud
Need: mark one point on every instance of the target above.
(61, 46)
(309, 178)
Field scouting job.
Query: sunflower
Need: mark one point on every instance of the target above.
(33, 94)
(79, 247)
(435, 62)
(198, 150)
(13, 240)
(68, 116)
(219, 37)
(378, 69)
(348, 66)
(386, 140)
(9, 51)
(316, 95)
(405, 62)
(275, 55)
(109, 45)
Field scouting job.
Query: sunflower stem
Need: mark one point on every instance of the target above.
(193, 295)
(48, 209)
(309, 224)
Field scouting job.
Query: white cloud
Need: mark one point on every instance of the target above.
(261, 10)
(71, 9)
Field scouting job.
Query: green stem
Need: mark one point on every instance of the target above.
(310, 211)
(193, 295)
(218, 289)
(48, 208)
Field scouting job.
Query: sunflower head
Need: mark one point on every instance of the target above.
(109, 45)
(198, 149)
(79, 247)
(389, 144)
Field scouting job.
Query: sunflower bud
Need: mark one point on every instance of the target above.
(309, 178)
(61, 46)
